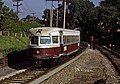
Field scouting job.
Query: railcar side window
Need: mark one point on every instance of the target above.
(45, 40)
(70, 39)
(55, 39)
(34, 40)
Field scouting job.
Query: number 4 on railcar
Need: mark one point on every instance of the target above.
(47, 42)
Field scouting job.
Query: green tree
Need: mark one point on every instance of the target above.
(109, 15)
(85, 15)
(6, 17)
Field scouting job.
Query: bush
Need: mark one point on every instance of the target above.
(24, 26)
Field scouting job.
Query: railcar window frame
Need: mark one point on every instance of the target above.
(55, 40)
(45, 41)
(70, 39)
(34, 40)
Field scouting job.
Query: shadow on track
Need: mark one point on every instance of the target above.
(19, 59)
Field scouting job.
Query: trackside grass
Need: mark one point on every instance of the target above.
(9, 44)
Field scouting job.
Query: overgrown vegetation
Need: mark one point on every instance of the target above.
(9, 21)
(24, 26)
(9, 44)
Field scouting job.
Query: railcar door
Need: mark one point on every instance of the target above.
(55, 43)
(61, 42)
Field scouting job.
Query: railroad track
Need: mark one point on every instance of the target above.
(35, 75)
(113, 56)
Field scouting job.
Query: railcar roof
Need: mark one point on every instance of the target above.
(51, 29)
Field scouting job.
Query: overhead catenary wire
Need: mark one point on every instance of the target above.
(27, 10)
(28, 7)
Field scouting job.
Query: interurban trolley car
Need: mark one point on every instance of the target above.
(52, 42)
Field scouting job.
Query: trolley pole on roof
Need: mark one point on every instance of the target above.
(64, 13)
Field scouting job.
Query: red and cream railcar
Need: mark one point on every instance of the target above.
(47, 42)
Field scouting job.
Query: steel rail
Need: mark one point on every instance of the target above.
(112, 56)
(35, 76)
(51, 73)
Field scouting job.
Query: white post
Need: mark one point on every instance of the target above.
(64, 13)
(51, 15)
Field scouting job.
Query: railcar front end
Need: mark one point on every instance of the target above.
(41, 47)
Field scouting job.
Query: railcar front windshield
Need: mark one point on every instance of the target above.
(45, 40)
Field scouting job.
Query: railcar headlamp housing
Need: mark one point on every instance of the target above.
(37, 52)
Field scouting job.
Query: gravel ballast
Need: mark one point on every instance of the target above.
(90, 68)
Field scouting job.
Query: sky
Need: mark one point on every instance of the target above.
(34, 6)
(96, 2)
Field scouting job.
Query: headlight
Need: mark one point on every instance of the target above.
(37, 52)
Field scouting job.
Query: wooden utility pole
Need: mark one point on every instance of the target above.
(51, 13)
(33, 16)
(64, 1)
(57, 15)
(17, 5)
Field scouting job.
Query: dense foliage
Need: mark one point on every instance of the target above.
(9, 21)
(6, 16)
(24, 26)
(103, 18)
(93, 20)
